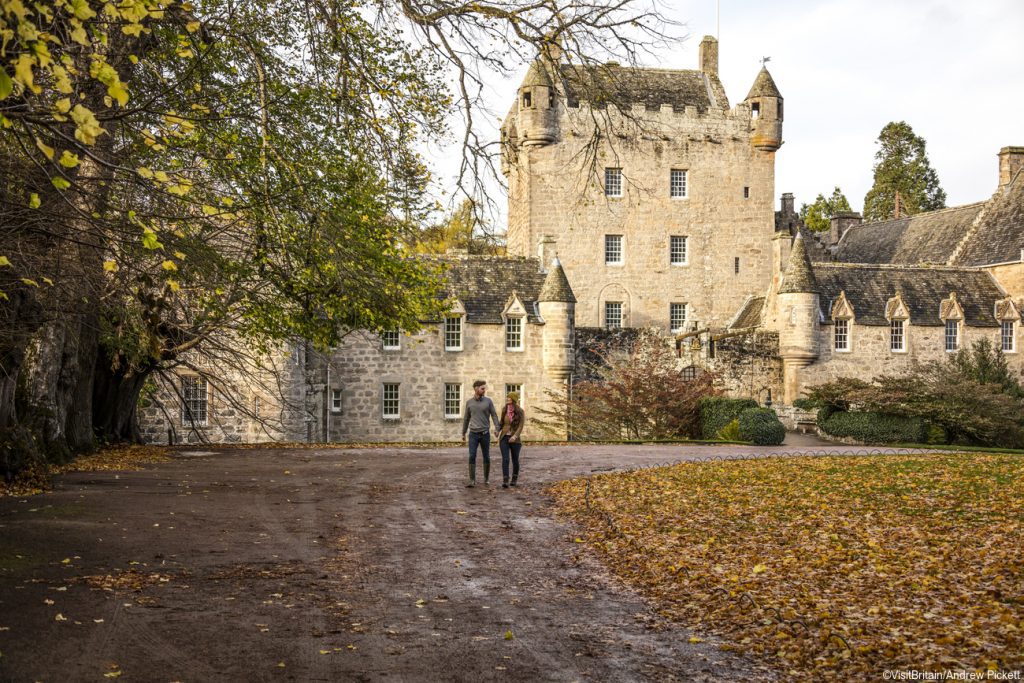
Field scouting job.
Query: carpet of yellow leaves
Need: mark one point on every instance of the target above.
(837, 567)
(35, 479)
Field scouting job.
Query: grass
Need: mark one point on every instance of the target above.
(834, 567)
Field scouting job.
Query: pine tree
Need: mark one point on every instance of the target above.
(902, 166)
(818, 216)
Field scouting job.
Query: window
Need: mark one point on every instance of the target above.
(689, 372)
(952, 335)
(527, 99)
(613, 182)
(677, 250)
(612, 315)
(897, 335)
(613, 250)
(746, 192)
(518, 388)
(514, 334)
(335, 400)
(453, 333)
(1008, 342)
(452, 401)
(195, 404)
(736, 265)
(391, 340)
(755, 110)
(389, 402)
(842, 335)
(677, 184)
(677, 316)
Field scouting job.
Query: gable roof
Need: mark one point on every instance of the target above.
(869, 287)
(923, 238)
(601, 84)
(484, 284)
(999, 235)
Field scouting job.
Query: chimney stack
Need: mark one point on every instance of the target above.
(1010, 161)
(841, 222)
(709, 55)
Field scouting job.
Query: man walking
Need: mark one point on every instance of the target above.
(477, 416)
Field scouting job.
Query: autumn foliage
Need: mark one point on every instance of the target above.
(833, 568)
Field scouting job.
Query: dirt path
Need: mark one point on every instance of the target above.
(327, 565)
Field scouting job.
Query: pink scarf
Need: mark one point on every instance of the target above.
(510, 412)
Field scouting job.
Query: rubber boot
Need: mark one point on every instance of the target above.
(515, 478)
(504, 482)
(487, 472)
(472, 475)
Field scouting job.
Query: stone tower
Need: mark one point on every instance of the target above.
(657, 195)
(557, 306)
(765, 103)
(798, 302)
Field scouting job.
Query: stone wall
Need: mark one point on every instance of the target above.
(747, 365)
(554, 191)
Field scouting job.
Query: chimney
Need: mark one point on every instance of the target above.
(787, 203)
(1010, 161)
(841, 222)
(709, 55)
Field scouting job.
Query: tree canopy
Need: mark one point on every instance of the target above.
(818, 215)
(902, 166)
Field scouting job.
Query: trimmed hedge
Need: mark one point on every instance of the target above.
(762, 427)
(873, 427)
(718, 411)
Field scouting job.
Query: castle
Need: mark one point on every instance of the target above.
(640, 198)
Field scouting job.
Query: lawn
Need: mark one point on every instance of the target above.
(837, 566)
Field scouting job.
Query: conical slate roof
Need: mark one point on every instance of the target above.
(764, 86)
(537, 75)
(799, 277)
(556, 286)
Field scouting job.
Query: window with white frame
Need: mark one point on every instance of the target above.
(518, 388)
(1007, 338)
(841, 335)
(195, 400)
(897, 335)
(514, 334)
(613, 250)
(613, 182)
(677, 316)
(335, 400)
(389, 401)
(677, 250)
(452, 401)
(612, 315)
(677, 184)
(952, 335)
(453, 333)
(391, 340)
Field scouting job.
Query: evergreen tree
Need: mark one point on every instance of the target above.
(902, 166)
(818, 216)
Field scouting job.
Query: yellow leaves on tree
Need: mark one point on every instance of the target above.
(87, 127)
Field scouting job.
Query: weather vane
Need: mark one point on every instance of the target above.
(765, 60)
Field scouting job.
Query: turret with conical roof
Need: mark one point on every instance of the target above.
(765, 103)
(557, 305)
(538, 95)
(799, 312)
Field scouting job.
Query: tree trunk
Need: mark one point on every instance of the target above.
(114, 401)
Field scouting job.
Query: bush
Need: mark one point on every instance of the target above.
(718, 411)
(875, 427)
(730, 432)
(805, 404)
(761, 426)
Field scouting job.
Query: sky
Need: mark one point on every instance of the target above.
(953, 70)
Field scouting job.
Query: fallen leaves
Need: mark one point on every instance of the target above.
(35, 478)
(838, 566)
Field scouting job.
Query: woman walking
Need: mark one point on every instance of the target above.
(510, 442)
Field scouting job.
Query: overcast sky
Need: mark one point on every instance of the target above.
(953, 70)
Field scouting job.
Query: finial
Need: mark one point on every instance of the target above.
(765, 60)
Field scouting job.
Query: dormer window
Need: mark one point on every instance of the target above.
(527, 99)
(841, 335)
(952, 336)
(453, 333)
(952, 315)
(755, 110)
(898, 336)
(514, 334)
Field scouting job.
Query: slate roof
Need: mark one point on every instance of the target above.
(624, 86)
(799, 276)
(556, 286)
(999, 236)
(764, 86)
(484, 284)
(750, 314)
(923, 238)
(869, 287)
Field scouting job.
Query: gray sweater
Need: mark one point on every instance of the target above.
(475, 416)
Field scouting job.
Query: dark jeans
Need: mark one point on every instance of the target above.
(506, 447)
(484, 439)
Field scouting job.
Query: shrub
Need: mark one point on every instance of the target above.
(761, 426)
(730, 432)
(805, 404)
(718, 411)
(875, 427)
